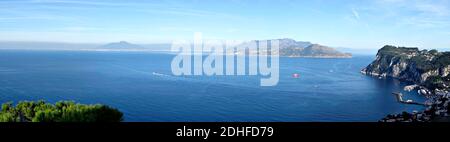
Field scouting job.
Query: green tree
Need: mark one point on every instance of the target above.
(63, 111)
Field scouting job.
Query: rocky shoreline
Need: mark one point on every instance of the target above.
(436, 111)
(429, 70)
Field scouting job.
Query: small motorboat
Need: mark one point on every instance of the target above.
(295, 75)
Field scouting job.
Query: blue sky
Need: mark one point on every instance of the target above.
(338, 23)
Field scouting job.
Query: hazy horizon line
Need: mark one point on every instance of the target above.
(170, 42)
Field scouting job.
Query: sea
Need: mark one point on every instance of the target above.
(143, 87)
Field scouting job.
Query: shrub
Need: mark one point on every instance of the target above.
(63, 111)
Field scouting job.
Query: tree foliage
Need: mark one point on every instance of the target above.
(423, 60)
(63, 111)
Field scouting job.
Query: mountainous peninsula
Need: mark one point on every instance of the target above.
(292, 48)
(121, 45)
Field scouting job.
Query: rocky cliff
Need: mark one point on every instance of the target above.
(427, 68)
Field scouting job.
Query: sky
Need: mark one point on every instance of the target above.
(337, 23)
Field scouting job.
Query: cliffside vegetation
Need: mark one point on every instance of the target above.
(423, 60)
(428, 68)
(64, 111)
(313, 50)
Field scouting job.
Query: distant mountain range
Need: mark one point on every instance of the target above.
(292, 48)
(288, 48)
(121, 45)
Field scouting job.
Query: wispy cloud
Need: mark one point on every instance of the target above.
(90, 2)
(424, 22)
(55, 6)
(35, 17)
(356, 19)
(415, 13)
(433, 9)
(181, 11)
(79, 29)
(355, 14)
(78, 18)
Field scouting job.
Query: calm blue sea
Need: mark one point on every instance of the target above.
(142, 86)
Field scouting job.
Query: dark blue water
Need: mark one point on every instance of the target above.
(141, 86)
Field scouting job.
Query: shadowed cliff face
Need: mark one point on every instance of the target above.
(422, 67)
